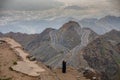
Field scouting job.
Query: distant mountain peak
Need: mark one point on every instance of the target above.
(70, 25)
(89, 19)
(110, 17)
(72, 22)
(114, 30)
(49, 29)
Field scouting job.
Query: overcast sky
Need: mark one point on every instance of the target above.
(16, 10)
(64, 7)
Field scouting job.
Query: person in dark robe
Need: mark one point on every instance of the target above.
(64, 67)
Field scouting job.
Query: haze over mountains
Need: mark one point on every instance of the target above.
(100, 26)
(81, 47)
(37, 35)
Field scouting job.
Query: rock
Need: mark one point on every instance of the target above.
(31, 58)
(1, 41)
(92, 74)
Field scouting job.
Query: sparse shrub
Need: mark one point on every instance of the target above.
(10, 68)
(15, 63)
(49, 67)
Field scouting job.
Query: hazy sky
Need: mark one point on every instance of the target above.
(17, 10)
(51, 8)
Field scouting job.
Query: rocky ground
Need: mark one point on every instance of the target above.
(9, 58)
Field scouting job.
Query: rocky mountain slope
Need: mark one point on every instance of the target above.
(80, 47)
(22, 38)
(9, 58)
(103, 54)
(54, 46)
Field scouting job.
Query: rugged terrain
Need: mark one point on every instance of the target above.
(56, 45)
(103, 54)
(53, 46)
(9, 57)
(80, 47)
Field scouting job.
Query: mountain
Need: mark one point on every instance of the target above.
(43, 37)
(53, 46)
(109, 23)
(14, 65)
(22, 38)
(103, 54)
(91, 23)
(32, 26)
(101, 25)
(80, 47)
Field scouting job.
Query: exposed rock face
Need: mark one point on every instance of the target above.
(37, 41)
(92, 74)
(80, 47)
(41, 48)
(69, 34)
(53, 46)
(103, 55)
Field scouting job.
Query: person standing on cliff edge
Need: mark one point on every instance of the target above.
(64, 66)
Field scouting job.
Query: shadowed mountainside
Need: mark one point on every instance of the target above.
(103, 54)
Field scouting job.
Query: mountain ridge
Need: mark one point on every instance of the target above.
(99, 25)
(80, 47)
(103, 55)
